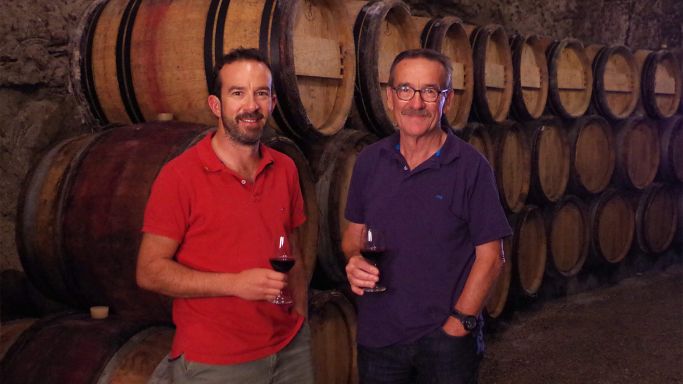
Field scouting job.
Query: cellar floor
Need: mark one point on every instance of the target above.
(630, 331)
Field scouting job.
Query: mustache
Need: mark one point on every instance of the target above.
(416, 112)
(250, 116)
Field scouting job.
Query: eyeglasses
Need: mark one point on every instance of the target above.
(428, 94)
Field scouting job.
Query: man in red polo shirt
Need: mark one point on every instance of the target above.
(211, 224)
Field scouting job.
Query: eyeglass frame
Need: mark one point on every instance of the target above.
(441, 91)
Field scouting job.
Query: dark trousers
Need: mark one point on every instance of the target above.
(436, 358)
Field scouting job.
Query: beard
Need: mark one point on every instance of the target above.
(240, 136)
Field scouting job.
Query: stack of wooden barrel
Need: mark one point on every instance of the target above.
(585, 142)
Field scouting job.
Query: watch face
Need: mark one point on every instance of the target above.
(470, 323)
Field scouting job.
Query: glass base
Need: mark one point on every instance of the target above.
(375, 289)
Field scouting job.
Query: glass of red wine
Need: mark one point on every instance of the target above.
(282, 261)
(372, 248)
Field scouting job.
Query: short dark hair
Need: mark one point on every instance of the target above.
(237, 54)
(424, 53)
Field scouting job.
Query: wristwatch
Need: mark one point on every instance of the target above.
(468, 321)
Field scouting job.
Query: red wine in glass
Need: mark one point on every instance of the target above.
(373, 248)
(282, 262)
(282, 265)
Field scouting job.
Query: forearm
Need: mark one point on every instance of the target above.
(168, 277)
(482, 277)
(351, 240)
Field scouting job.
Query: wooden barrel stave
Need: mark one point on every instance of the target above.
(656, 218)
(638, 153)
(513, 165)
(529, 249)
(530, 89)
(550, 160)
(612, 224)
(570, 79)
(671, 149)
(39, 236)
(493, 79)
(332, 319)
(661, 86)
(568, 236)
(10, 331)
(616, 90)
(592, 155)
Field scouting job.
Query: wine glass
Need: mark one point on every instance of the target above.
(282, 261)
(372, 248)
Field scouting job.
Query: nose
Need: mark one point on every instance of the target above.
(416, 101)
(250, 104)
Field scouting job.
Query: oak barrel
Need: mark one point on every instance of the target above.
(493, 79)
(86, 213)
(529, 249)
(660, 79)
(671, 149)
(612, 224)
(382, 30)
(513, 166)
(616, 88)
(332, 319)
(592, 155)
(656, 218)
(550, 159)
(447, 35)
(570, 78)
(335, 169)
(568, 238)
(138, 59)
(76, 349)
(638, 152)
(530, 88)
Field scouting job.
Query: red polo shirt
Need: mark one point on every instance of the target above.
(226, 224)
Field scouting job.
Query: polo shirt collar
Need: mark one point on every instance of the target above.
(449, 151)
(211, 162)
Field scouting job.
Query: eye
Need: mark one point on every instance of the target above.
(236, 93)
(263, 93)
(404, 88)
(430, 91)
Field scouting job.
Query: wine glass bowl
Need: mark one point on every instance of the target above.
(373, 248)
(282, 261)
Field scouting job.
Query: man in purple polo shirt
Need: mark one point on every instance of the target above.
(434, 196)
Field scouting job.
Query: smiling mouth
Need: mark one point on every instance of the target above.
(249, 121)
(249, 118)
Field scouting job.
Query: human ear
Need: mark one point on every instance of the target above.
(215, 105)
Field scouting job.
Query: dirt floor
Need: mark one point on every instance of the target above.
(629, 332)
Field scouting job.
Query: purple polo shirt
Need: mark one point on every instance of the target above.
(433, 217)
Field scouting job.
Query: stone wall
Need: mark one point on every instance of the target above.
(37, 110)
